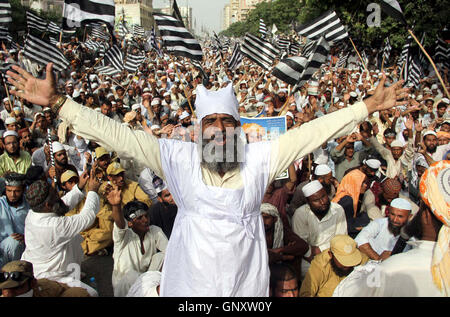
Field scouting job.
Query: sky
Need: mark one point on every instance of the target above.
(206, 12)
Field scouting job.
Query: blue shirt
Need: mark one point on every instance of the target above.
(12, 219)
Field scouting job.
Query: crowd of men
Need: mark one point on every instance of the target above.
(356, 202)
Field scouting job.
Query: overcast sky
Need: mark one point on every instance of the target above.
(206, 12)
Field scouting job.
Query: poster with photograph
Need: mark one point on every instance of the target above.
(264, 129)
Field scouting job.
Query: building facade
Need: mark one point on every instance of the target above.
(237, 10)
(135, 12)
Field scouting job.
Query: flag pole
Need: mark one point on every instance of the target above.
(431, 61)
(382, 63)
(360, 58)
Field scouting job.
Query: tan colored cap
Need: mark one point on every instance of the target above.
(345, 250)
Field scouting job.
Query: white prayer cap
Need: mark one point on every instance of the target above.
(322, 169)
(155, 126)
(353, 94)
(261, 86)
(184, 115)
(429, 132)
(73, 73)
(110, 95)
(135, 106)
(445, 100)
(155, 102)
(401, 203)
(373, 163)
(9, 133)
(221, 101)
(290, 114)
(10, 120)
(396, 143)
(6, 99)
(311, 188)
(76, 93)
(166, 94)
(57, 147)
(434, 86)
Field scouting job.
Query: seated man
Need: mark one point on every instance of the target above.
(52, 240)
(13, 211)
(283, 281)
(378, 238)
(163, 213)
(98, 239)
(318, 221)
(283, 244)
(17, 280)
(350, 195)
(377, 199)
(324, 175)
(138, 246)
(13, 159)
(331, 266)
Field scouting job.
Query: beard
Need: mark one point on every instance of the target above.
(60, 208)
(339, 272)
(321, 212)
(18, 202)
(431, 149)
(14, 153)
(395, 230)
(217, 159)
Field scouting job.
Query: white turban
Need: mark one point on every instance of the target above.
(278, 230)
(221, 101)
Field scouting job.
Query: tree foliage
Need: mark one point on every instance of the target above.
(426, 16)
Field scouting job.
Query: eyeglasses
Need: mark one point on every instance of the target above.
(15, 276)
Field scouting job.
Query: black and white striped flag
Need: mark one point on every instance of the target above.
(328, 25)
(43, 52)
(138, 31)
(297, 70)
(308, 48)
(441, 51)
(387, 50)
(283, 44)
(100, 33)
(36, 22)
(4, 33)
(415, 71)
(153, 44)
(78, 12)
(176, 38)
(122, 30)
(53, 28)
(262, 28)
(5, 12)
(342, 62)
(362, 63)
(259, 51)
(108, 70)
(236, 58)
(133, 62)
(404, 54)
(294, 48)
(115, 57)
(393, 9)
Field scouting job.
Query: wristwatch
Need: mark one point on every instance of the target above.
(58, 104)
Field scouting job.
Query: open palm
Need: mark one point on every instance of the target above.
(38, 91)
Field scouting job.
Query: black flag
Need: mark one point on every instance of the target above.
(176, 12)
(392, 8)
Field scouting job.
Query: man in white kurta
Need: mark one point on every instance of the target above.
(217, 246)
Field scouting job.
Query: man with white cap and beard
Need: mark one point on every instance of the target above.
(13, 159)
(218, 199)
(378, 238)
(318, 221)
